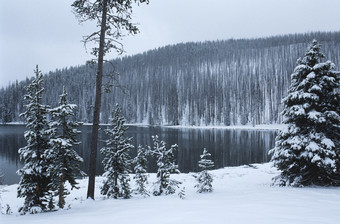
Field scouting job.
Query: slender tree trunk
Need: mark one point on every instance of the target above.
(96, 114)
(61, 192)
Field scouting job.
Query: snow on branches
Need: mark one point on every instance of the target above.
(204, 179)
(116, 160)
(166, 166)
(307, 151)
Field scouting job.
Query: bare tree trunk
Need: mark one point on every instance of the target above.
(96, 114)
(61, 191)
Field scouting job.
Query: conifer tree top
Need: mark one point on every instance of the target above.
(313, 55)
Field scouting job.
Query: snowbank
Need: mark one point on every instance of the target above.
(241, 195)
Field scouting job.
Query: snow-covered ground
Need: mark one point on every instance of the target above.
(241, 195)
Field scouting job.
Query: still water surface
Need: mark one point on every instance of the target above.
(228, 147)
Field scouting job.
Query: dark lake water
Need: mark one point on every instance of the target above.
(228, 147)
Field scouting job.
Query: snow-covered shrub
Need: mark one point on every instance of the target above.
(166, 166)
(307, 151)
(204, 178)
(181, 194)
(141, 176)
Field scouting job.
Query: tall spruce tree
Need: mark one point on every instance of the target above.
(64, 160)
(307, 151)
(205, 179)
(141, 177)
(116, 160)
(34, 184)
(113, 18)
(166, 166)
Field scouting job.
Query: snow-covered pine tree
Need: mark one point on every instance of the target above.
(166, 166)
(34, 184)
(204, 178)
(141, 177)
(64, 160)
(307, 151)
(116, 160)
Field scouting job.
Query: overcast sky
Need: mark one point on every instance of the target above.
(46, 32)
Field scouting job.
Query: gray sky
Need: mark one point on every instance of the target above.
(46, 32)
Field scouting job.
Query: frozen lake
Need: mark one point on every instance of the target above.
(228, 147)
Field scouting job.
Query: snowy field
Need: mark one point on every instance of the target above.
(241, 195)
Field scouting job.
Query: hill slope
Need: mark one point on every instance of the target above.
(210, 83)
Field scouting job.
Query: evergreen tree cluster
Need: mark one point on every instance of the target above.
(49, 160)
(308, 151)
(117, 165)
(209, 83)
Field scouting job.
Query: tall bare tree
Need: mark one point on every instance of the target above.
(113, 17)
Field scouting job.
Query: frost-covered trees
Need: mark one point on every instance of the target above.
(116, 160)
(228, 82)
(34, 184)
(307, 151)
(49, 159)
(166, 166)
(64, 160)
(205, 179)
(141, 177)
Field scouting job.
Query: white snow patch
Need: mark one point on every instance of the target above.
(314, 115)
(312, 147)
(311, 75)
(328, 143)
(241, 195)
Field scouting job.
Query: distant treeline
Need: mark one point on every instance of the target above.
(207, 83)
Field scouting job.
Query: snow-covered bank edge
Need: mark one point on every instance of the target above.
(235, 127)
(241, 194)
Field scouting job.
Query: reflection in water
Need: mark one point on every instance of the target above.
(227, 147)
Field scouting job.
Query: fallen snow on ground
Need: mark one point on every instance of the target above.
(241, 195)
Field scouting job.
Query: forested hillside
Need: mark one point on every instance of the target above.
(210, 83)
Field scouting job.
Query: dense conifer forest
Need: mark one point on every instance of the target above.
(224, 82)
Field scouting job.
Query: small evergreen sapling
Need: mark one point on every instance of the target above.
(166, 166)
(307, 151)
(116, 160)
(141, 177)
(181, 194)
(34, 183)
(205, 179)
(64, 160)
